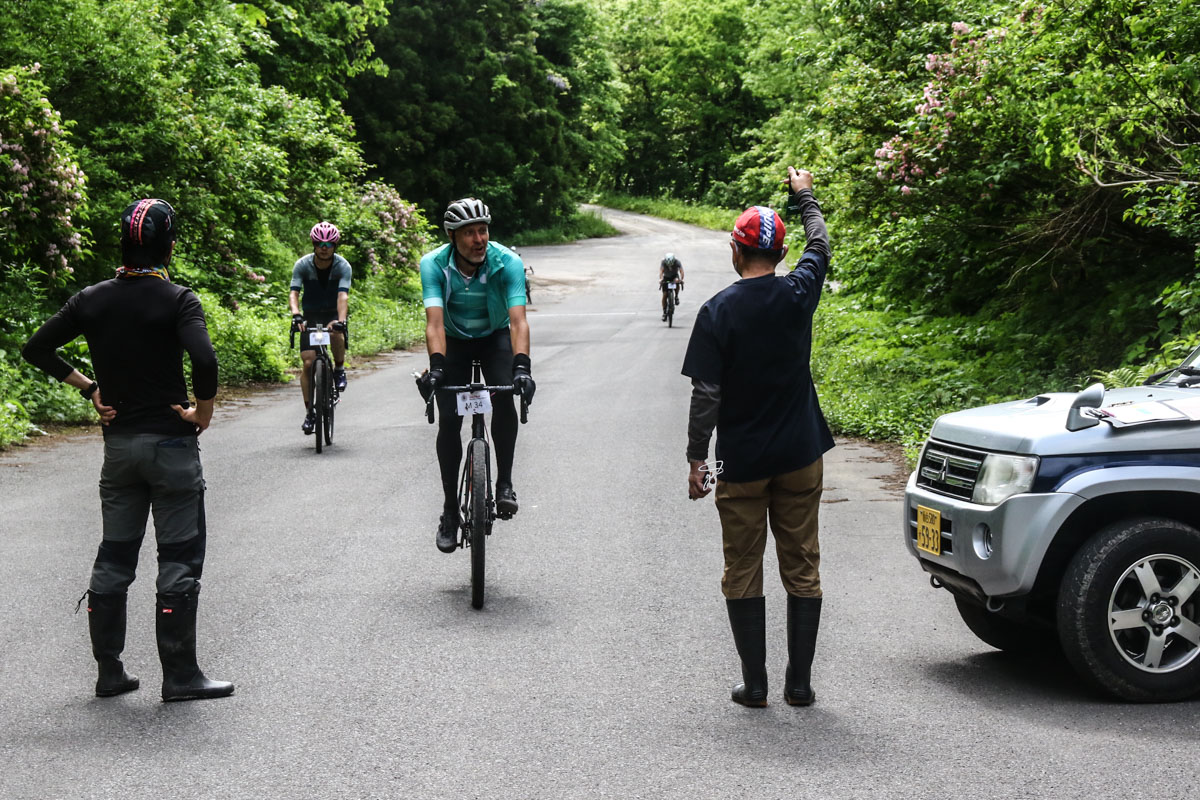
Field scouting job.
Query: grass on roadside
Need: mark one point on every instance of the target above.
(581, 225)
(888, 374)
(711, 217)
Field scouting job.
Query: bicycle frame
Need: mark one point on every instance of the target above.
(477, 518)
(325, 416)
(478, 435)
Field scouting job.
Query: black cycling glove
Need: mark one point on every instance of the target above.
(427, 384)
(523, 383)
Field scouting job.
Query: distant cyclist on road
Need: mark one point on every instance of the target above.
(670, 270)
(474, 292)
(324, 279)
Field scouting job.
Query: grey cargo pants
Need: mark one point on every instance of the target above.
(146, 472)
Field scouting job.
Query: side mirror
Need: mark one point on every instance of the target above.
(1091, 397)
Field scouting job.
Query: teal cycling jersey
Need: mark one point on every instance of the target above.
(478, 306)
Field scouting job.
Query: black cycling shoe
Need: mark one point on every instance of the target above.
(447, 532)
(506, 501)
(339, 379)
(310, 423)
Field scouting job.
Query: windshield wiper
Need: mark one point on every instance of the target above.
(1189, 372)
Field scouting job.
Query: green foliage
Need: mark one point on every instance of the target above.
(14, 419)
(1026, 172)
(251, 343)
(384, 237)
(42, 193)
(197, 127)
(27, 395)
(231, 111)
(311, 47)
(890, 374)
(571, 37)
(686, 105)
(711, 217)
(379, 324)
(470, 106)
(581, 225)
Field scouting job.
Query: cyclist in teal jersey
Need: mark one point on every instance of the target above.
(474, 291)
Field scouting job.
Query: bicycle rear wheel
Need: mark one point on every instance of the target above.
(320, 378)
(479, 521)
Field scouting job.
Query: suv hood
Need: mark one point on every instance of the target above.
(1037, 426)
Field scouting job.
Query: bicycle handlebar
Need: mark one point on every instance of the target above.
(478, 387)
(316, 326)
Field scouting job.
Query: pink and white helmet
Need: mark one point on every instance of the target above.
(325, 232)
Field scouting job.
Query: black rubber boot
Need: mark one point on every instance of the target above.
(176, 629)
(803, 620)
(106, 623)
(748, 620)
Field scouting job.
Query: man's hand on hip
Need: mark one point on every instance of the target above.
(106, 412)
(199, 415)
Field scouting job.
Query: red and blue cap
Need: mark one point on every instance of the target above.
(759, 227)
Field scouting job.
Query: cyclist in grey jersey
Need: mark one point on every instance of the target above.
(320, 295)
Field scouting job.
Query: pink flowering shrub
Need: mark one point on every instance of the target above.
(42, 188)
(386, 237)
(919, 152)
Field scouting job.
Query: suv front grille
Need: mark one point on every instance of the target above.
(949, 469)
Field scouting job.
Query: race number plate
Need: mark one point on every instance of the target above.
(929, 530)
(474, 403)
(318, 337)
(671, 285)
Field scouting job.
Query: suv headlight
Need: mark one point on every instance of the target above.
(1002, 476)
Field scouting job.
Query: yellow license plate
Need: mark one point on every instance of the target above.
(929, 530)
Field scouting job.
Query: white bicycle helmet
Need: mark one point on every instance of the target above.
(465, 212)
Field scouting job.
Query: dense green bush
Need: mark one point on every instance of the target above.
(251, 343)
(379, 324)
(888, 374)
(14, 419)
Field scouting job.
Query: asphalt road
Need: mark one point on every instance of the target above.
(602, 662)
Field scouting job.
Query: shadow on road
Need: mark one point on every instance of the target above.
(1045, 689)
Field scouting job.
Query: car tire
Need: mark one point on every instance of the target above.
(1003, 633)
(1129, 610)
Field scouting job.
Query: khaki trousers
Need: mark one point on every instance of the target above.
(791, 502)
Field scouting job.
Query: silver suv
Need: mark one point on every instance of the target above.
(1073, 520)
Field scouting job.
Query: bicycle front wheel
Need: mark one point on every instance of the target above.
(320, 379)
(479, 520)
(670, 309)
(330, 407)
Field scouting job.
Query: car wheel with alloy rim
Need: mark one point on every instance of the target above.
(1129, 610)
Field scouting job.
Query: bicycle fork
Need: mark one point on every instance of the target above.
(464, 485)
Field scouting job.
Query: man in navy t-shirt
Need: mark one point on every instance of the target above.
(748, 358)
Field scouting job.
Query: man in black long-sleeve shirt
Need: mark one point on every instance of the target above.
(137, 327)
(748, 359)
